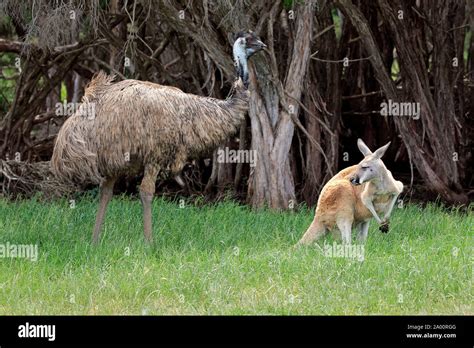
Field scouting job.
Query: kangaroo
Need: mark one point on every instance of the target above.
(355, 195)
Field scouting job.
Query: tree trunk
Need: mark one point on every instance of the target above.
(432, 150)
(272, 108)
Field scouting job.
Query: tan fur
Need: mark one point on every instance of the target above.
(342, 203)
(339, 198)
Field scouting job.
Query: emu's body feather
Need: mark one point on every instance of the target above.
(139, 123)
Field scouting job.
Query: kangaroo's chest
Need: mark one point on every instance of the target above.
(381, 202)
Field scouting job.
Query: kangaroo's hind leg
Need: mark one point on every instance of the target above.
(363, 231)
(315, 231)
(345, 226)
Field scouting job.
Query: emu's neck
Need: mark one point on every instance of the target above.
(215, 121)
(240, 61)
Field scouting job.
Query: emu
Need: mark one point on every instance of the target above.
(139, 127)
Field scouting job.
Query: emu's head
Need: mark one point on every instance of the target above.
(371, 167)
(245, 45)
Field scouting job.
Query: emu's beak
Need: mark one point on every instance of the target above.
(260, 45)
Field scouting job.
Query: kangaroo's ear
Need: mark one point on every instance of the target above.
(381, 151)
(363, 148)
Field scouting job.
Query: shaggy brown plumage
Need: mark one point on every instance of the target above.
(138, 123)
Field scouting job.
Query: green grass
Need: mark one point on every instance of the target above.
(227, 259)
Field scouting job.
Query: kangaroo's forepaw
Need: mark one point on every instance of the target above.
(384, 226)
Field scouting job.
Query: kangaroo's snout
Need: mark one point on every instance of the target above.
(354, 180)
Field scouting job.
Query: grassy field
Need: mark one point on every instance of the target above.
(227, 259)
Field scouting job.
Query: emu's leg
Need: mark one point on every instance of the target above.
(106, 192)
(147, 190)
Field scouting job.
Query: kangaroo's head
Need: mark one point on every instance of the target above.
(371, 167)
(246, 44)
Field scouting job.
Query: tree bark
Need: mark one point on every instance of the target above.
(272, 106)
(433, 153)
